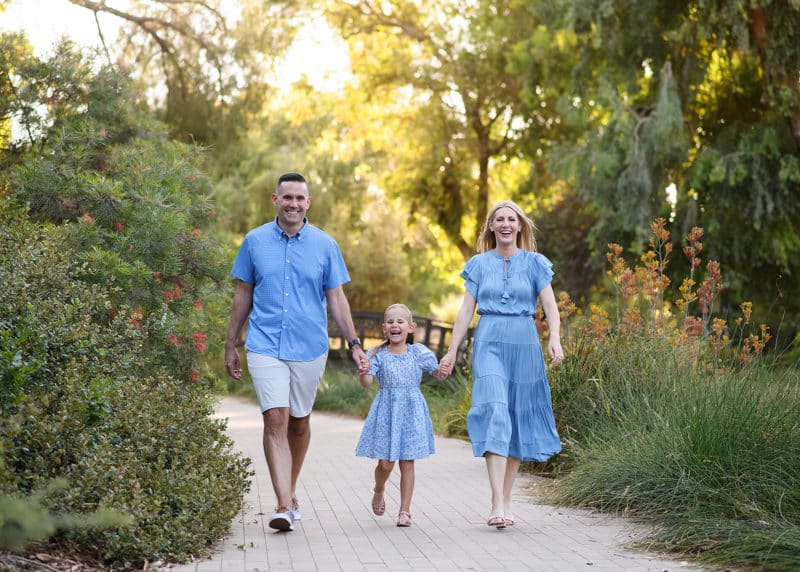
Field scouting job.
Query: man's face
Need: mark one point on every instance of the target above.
(292, 202)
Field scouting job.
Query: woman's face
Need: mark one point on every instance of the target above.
(506, 226)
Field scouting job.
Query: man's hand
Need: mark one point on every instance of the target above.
(232, 363)
(360, 359)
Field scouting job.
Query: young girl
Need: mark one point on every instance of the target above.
(398, 426)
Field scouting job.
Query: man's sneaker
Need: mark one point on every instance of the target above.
(282, 519)
(295, 509)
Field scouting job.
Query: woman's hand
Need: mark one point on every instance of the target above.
(555, 351)
(445, 366)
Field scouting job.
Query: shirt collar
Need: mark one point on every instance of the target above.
(280, 233)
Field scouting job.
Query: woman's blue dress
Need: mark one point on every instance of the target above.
(512, 411)
(398, 425)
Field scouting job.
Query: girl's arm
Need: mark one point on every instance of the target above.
(550, 307)
(365, 379)
(460, 328)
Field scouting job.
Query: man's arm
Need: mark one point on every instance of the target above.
(339, 308)
(240, 310)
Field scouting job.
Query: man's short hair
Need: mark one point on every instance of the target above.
(290, 178)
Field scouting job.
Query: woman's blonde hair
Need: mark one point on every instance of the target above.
(526, 238)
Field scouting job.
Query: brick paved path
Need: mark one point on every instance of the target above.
(450, 506)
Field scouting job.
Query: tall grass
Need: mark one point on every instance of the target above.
(681, 420)
(712, 460)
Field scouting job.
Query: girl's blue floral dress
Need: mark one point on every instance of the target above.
(398, 425)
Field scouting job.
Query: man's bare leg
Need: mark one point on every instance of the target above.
(299, 436)
(278, 453)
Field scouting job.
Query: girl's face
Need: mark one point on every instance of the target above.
(397, 325)
(505, 226)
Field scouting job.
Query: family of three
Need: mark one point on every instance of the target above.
(290, 274)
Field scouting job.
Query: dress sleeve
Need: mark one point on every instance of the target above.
(541, 272)
(425, 358)
(375, 364)
(472, 276)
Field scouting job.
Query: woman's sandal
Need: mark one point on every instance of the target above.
(497, 521)
(378, 503)
(403, 518)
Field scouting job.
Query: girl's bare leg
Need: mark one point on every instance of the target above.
(406, 485)
(382, 471)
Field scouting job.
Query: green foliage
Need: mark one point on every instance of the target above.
(680, 420)
(85, 401)
(24, 520)
(712, 461)
(135, 206)
(690, 94)
(110, 267)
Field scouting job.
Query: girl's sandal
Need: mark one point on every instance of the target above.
(378, 503)
(404, 518)
(497, 521)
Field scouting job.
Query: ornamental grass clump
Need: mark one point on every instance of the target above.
(674, 414)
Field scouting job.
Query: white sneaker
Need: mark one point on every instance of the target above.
(295, 510)
(282, 519)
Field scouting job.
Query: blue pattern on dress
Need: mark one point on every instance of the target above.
(398, 425)
(512, 411)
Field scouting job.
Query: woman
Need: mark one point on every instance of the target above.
(511, 418)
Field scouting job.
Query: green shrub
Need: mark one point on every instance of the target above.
(83, 400)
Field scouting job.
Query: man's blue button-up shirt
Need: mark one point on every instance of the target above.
(290, 274)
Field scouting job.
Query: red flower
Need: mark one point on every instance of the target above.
(172, 340)
(194, 375)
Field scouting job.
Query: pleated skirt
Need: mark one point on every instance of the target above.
(512, 411)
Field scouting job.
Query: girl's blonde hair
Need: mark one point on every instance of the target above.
(526, 238)
(409, 337)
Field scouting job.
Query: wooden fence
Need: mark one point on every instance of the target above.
(429, 331)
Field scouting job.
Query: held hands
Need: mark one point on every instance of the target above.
(445, 367)
(361, 360)
(363, 366)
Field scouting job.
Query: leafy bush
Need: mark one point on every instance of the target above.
(111, 270)
(83, 401)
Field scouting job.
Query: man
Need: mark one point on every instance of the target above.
(288, 272)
